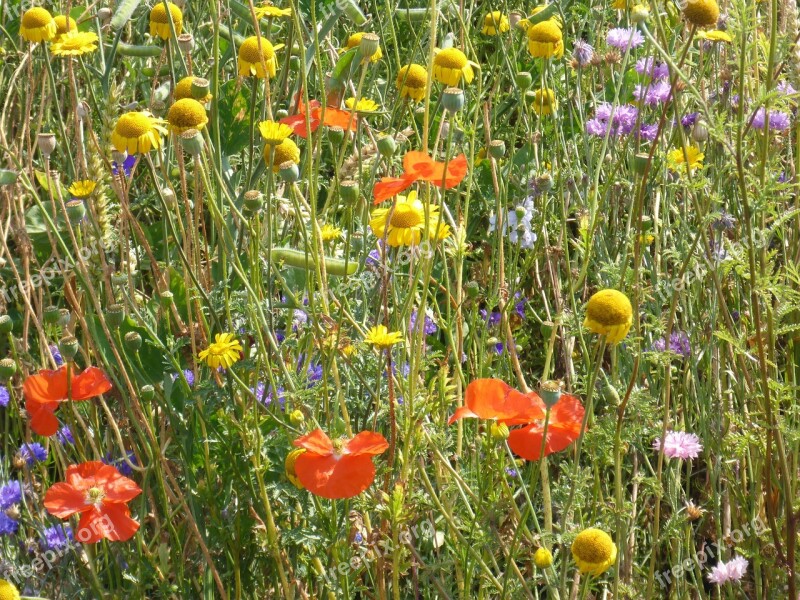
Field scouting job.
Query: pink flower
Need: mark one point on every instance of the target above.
(679, 444)
(732, 570)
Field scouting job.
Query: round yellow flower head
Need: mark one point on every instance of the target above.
(255, 63)
(495, 23)
(354, 41)
(137, 132)
(8, 591)
(82, 189)
(545, 40)
(412, 81)
(183, 89)
(187, 114)
(291, 475)
(64, 24)
(450, 65)
(224, 351)
(380, 337)
(38, 25)
(74, 43)
(544, 101)
(715, 36)
(286, 151)
(702, 13)
(609, 313)
(543, 558)
(594, 551)
(159, 20)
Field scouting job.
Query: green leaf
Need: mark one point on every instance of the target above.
(36, 223)
(343, 64)
(124, 11)
(234, 112)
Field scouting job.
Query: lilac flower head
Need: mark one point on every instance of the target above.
(56, 354)
(264, 394)
(689, 120)
(624, 38)
(519, 307)
(5, 397)
(429, 325)
(619, 120)
(8, 526)
(188, 374)
(733, 570)
(299, 318)
(121, 464)
(127, 165)
(679, 444)
(653, 93)
(57, 537)
(778, 120)
(724, 222)
(678, 343)
(64, 436)
(492, 319)
(511, 472)
(648, 132)
(358, 538)
(314, 373)
(10, 494)
(33, 453)
(649, 67)
(784, 88)
(583, 53)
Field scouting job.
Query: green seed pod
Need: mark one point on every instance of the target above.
(6, 324)
(133, 340)
(350, 191)
(192, 142)
(289, 171)
(253, 200)
(7, 368)
(550, 392)
(524, 80)
(51, 314)
(147, 393)
(167, 298)
(336, 135)
(300, 260)
(281, 113)
(115, 315)
(68, 346)
(453, 99)
(76, 211)
(387, 146)
(497, 148)
(64, 317)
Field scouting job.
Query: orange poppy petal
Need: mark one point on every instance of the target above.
(76, 474)
(336, 117)
(43, 419)
(521, 409)
(456, 171)
(316, 442)
(111, 522)
(118, 488)
(527, 442)
(461, 413)
(495, 399)
(92, 382)
(63, 500)
(568, 411)
(388, 187)
(46, 386)
(335, 478)
(298, 124)
(367, 443)
(423, 166)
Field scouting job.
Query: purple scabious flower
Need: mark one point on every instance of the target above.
(8, 526)
(10, 494)
(649, 67)
(678, 343)
(618, 120)
(583, 53)
(689, 120)
(33, 453)
(656, 92)
(56, 354)
(279, 335)
(679, 444)
(314, 373)
(784, 88)
(5, 397)
(624, 38)
(428, 326)
(57, 537)
(519, 307)
(188, 374)
(778, 120)
(64, 436)
(120, 463)
(648, 132)
(724, 222)
(511, 472)
(733, 570)
(264, 394)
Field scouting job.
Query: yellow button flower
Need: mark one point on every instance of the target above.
(187, 114)
(678, 160)
(137, 132)
(543, 558)
(495, 23)
(544, 101)
(224, 351)
(64, 24)
(74, 43)
(330, 233)
(545, 40)
(609, 313)
(450, 65)
(253, 62)
(594, 551)
(702, 13)
(159, 20)
(354, 41)
(8, 591)
(291, 459)
(380, 337)
(405, 224)
(715, 35)
(183, 89)
(38, 25)
(269, 10)
(412, 81)
(286, 151)
(364, 105)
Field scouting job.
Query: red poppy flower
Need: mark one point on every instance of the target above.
(100, 494)
(563, 428)
(47, 389)
(418, 166)
(340, 468)
(495, 399)
(333, 117)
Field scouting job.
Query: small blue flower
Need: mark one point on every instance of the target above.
(358, 538)
(121, 464)
(8, 526)
(5, 397)
(511, 472)
(428, 327)
(10, 494)
(56, 354)
(314, 373)
(33, 453)
(64, 436)
(127, 165)
(57, 537)
(188, 374)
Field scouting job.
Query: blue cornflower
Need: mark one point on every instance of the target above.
(314, 373)
(64, 436)
(33, 453)
(57, 537)
(8, 526)
(127, 165)
(121, 464)
(188, 374)
(428, 326)
(10, 494)
(5, 397)
(56, 354)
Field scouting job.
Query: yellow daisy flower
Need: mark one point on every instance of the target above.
(609, 313)
(545, 40)
(224, 351)
(702, 13)
(137, 132)
(691, 159)
(364, 105)
(254, 63)
(187, 114)
(715, 35)
(286, 151)
(620, 4)
(450, 66)
(183, 89)
(380, 337)
(82, 189)
(594, 551)
(274, 133)
(405, 224)
(495, 23)
(330, 233)
(412, 81)
(74, 43)
(159, 20)
(8, 591)
(544, 102)
(37, 25)
(354, 41)
(64, 24)
(269, 10)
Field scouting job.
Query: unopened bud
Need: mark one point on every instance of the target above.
(473, 289)
(499, 431)
(297, 418)
(6, 324)
(147, 392)
(104, 15)
(387, 146)
(64, 317)
(700, 131)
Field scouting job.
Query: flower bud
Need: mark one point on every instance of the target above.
(387, 146)
(294, 63)
(543, 558)
(46, 143)
(349, 190)
(253, 200)
(6, 324)
(51, 314)
(473, 289)
(169, 197)
(167, 298)
(289, 171)
(550, 392)
(68, 346)
(104, 16)
(700, 131)
(453, 99)
(281, 113)
(524, 80)
(133, 340)
(147, 392)
(115, 315)
(200, 88)
(186, 42)
(192, 142)
(7, 368)
(297, 418)
(119, 158)
(336, 134)
(64, 317)
(76, 211)
(544, 182)
(369, 45)
(499, 431)
(497, 148)
(640, 13)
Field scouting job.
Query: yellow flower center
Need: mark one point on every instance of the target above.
(36, 17)
(183, 89)
(287, 150)
(544, 97)
(159, 13)
(593, 546)
(61, 24)
(354, 40)
(451, 58)
(338, 446)
(249, 50)
(493, 19)
(187, 113)
(405, 216)
(546, 32)
(95, 495)
(76, 40)
(8, 591)
(609, 308)
(134, 124)
(413, 76)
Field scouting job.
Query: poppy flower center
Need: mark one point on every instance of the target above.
(95, 495)
(405, 216)
(338, 447)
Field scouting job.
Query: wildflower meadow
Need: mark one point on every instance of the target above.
(399, 299)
